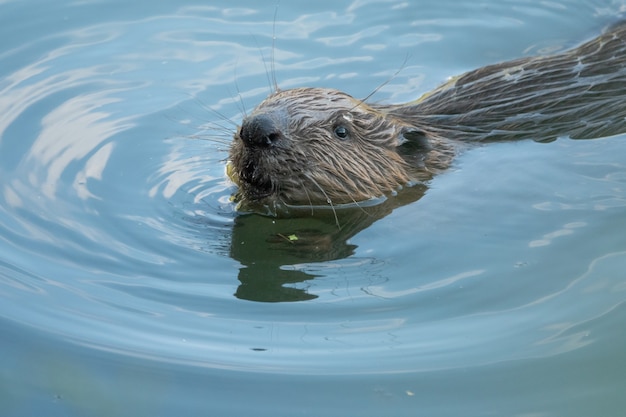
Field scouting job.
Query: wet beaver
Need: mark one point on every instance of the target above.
(315, 146)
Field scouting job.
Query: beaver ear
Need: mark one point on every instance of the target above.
(414, 138)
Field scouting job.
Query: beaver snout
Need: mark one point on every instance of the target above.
(259, 131)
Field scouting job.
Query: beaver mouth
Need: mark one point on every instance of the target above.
(254, 181)
(266, 179)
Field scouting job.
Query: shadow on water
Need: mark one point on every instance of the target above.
(272, 250)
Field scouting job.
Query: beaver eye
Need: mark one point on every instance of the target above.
(341, 132)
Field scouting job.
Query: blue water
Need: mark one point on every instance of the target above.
(130, 286)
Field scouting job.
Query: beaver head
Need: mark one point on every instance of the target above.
(312, 146)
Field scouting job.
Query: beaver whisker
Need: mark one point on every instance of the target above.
(384, 83)
(329, 201)
(213, 110)
(242, 104)
(273, 56)
(219, 128)
(308, 196)
(271, 72)
(213, 139)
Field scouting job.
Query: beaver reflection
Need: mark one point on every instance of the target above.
(316, 146)
(271, 248)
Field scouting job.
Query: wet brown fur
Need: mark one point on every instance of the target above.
(580, 93)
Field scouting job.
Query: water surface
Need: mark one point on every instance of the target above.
(131, 286)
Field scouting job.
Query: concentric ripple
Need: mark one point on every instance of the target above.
(117, 232)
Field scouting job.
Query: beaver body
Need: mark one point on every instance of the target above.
(316, 146)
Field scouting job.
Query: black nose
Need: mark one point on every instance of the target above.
(259, 131)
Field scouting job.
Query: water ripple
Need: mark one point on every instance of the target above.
(118, 233)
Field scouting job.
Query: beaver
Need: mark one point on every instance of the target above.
(318, 146)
